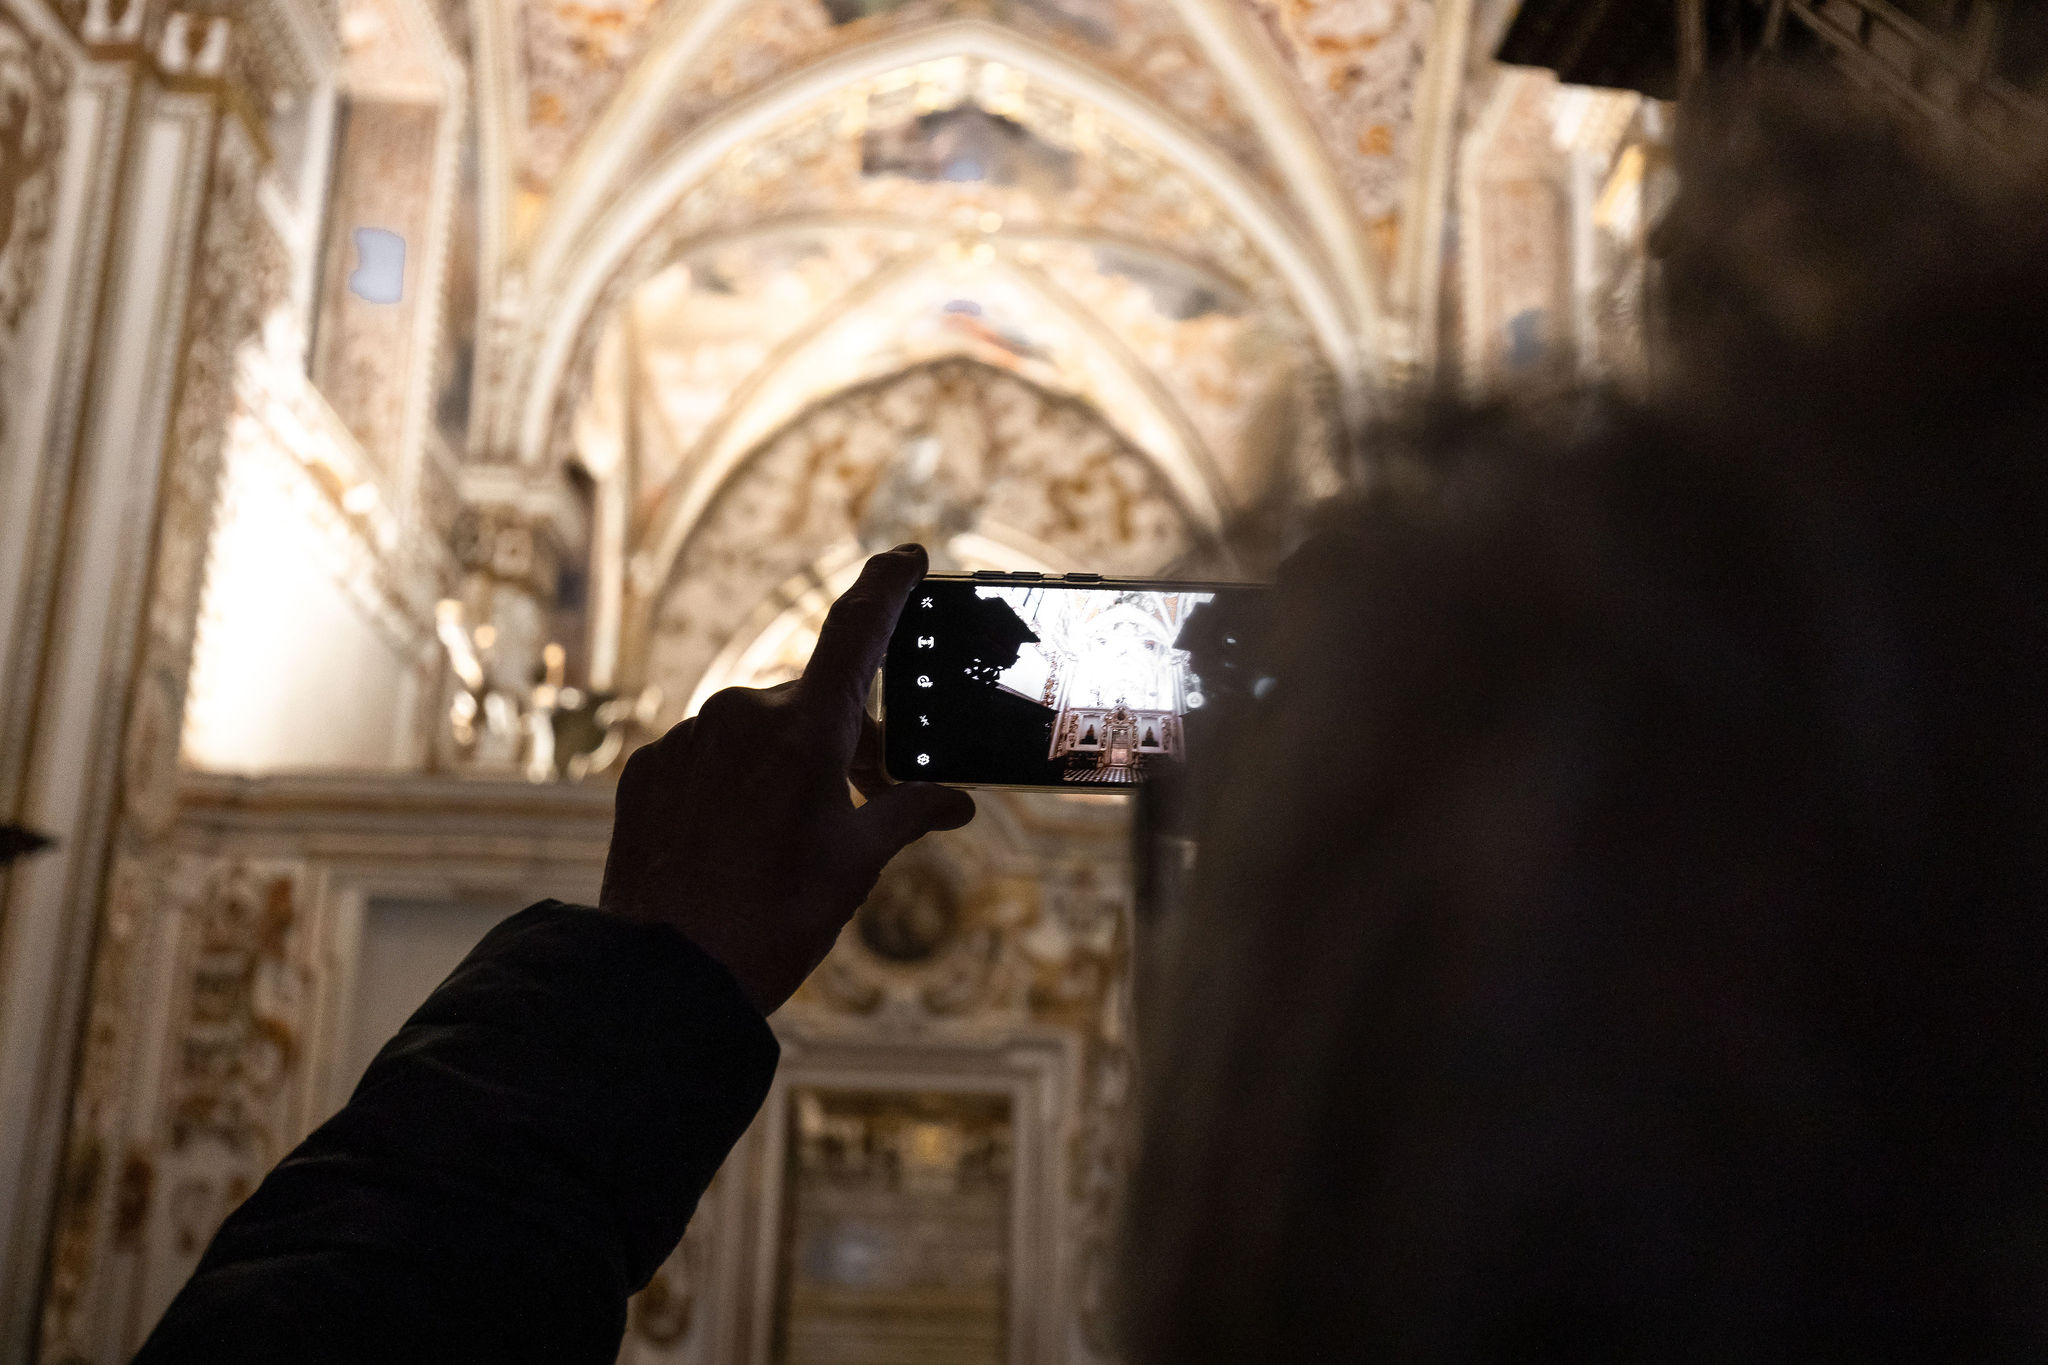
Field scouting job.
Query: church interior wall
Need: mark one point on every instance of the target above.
(411, 406)
(481, 452)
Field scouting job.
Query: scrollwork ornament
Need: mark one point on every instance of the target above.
(235, 1039)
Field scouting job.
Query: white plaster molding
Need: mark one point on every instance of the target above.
(47, 388)
(1415, 290)
(494, 69)
(316, 181)
(1251, 69)
(566, 282)
(1473, 149)
(42, 956)
(543, 494)
(1241, 57)
(607, 152)
(432, 297)
(52, 901)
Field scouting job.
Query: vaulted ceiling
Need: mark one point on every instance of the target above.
(1206, 223)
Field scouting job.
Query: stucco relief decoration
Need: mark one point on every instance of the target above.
(1079, 946)
(1006, 456)
(928, 944)
(1357, 64)
(231, 1050)
(33, 79)
(234, 1046)
(576, 52)
(236, 1040)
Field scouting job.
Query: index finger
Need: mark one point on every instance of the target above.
(857, 629)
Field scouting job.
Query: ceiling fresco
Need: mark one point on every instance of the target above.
(1172, 216)
(1356, 65)
(743, 335)
(968, 146)
(574, 54)
(1143, 42)
(959, 209)
(1352, 67)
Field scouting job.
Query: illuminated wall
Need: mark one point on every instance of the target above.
(298, 662)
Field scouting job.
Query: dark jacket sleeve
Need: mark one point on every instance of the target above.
(515, 1163)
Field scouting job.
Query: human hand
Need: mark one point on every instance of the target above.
(737, 827)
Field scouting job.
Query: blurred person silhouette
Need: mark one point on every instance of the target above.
(1621, 937)
(1617, 936)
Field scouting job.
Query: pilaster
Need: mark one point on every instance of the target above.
(108, 372)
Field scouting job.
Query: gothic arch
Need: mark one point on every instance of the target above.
(1188, 468)
(1244, 63)
(569, 284)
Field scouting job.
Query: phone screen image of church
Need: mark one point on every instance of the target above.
(1053, 685)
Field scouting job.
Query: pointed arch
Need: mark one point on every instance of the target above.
(1242, 60)
(573, 280)
(1185, 465)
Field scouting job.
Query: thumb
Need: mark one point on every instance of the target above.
(899, 816)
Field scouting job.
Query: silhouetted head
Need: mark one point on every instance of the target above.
(1620, 935)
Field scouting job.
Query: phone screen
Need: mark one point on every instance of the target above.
(1022, 682)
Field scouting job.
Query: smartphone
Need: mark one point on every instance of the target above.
(1067, 683)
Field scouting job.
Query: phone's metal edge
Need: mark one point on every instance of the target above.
(881, 712)
(1053, 580)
